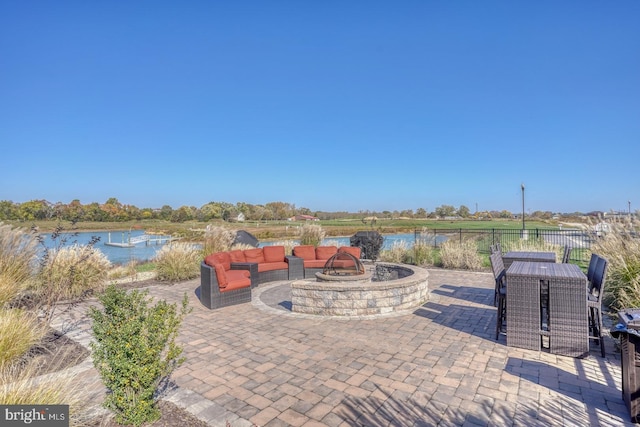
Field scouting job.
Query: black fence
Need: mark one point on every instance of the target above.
(578, 240)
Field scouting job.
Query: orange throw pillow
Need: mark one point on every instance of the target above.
(221, 276)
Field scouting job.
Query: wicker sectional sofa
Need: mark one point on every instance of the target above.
(226, 278)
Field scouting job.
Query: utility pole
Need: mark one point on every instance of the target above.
(522, 186)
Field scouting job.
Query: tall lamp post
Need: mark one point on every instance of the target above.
(522, 187)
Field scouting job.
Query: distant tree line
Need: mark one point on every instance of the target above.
(114, 211)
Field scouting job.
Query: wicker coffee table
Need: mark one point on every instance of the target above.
(566, 287)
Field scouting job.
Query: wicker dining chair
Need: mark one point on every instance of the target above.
(566, 256)
(593, 262)
(594, 302)
(500, 296)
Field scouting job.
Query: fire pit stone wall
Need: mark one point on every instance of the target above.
(362, 298)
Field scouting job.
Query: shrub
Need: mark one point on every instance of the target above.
(135, 351)
(460, 255)
(622, 249)
(217, 239)
(178, 261)
(122, 271)
(72, 272)
(311, 234)
(18, 261)
(19, 331)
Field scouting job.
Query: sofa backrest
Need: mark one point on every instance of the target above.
(273, 253)
(326, 252)
(353, 250)
(237, 256)
(306, 252)
(219, 258)
(254, 255)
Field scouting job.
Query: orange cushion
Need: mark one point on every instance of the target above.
(325, 252)
(237, 256)
(270, 266)
(221, 276)
(237, 275)
(353, 250)
(273, 253)
(219, 258)
(254, 255)
(315, 263)
(306, 252)
(237, 284)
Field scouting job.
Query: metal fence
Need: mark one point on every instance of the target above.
(579, 241)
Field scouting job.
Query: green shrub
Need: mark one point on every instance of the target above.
(18, 261)
(460, 255)
(19, 331)
(311, 234)
(135, 351)
(217, 239)
(178, 261)
(72, 272)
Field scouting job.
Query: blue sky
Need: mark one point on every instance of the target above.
(334, 105)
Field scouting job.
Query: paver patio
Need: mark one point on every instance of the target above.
(260, 364)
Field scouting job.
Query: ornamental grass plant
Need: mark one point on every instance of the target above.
(72, 272)
(22, 386)
(18, 261)
(20, 331)
(398, 252)
(621, 247)
(217, 239)
(461, 255)
(178, 261)
(311, 234)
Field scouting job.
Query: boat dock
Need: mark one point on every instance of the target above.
(147, 239)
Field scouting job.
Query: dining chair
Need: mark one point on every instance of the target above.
(567, 254)
(496, 248)
(592, 268)
(500, 295)
(594, 301)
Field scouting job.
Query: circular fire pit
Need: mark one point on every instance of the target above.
(383, 288)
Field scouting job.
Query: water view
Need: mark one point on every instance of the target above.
(145, 252)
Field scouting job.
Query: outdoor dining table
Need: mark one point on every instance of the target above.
(546, 299)
(531, 256)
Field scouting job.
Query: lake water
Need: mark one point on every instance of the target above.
(143, 252)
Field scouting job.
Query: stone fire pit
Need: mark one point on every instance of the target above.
(384, 288)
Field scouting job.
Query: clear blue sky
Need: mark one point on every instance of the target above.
(332, 105)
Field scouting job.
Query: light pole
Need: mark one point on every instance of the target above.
(629, 202)
(522, 187)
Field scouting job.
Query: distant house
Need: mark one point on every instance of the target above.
(303, 218)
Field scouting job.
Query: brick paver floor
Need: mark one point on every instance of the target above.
(439, 365)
